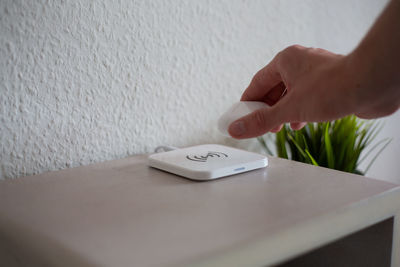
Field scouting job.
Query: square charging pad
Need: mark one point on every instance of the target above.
(207, 162)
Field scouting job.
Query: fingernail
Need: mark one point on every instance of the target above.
(237, 128)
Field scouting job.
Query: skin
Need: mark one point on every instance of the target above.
(314, 85)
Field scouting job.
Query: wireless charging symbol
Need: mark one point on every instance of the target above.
(209, 155)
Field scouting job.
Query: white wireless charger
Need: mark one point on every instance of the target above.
(207, 162)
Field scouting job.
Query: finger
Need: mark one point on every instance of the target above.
(274, 94)
(297, 125)
(264, 80)
(263, 120)
(276, 129)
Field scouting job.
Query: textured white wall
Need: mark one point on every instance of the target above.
(87, 81)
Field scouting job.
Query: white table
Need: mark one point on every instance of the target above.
(123, 213)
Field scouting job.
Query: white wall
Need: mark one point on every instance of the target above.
(88, 81)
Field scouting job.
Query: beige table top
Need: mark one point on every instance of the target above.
(123, 213)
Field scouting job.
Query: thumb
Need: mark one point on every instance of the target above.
(259, 122)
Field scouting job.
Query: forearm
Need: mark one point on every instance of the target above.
(376, 64)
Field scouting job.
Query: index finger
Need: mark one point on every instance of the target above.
(263, 82)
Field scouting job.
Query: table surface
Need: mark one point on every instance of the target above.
(123, 213)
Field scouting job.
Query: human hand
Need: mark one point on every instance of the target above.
(312, 85)
(301, 85)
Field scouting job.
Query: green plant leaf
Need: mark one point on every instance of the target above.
(338, 144)
(328, 147)
(300, 149)
(281, 144)
(311, 158)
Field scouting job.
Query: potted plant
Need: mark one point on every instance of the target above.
(337, 145)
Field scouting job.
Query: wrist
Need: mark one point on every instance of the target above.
(351, 83)
(375, 90)
(358, 71)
